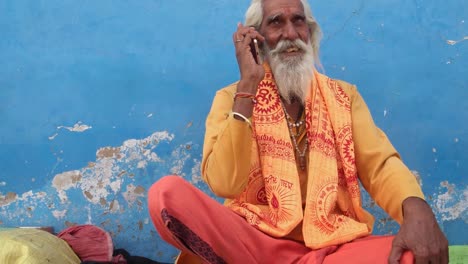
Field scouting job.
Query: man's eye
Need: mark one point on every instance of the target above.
(299, 20)
(274, 21)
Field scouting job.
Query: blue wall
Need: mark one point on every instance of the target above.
(99, 99)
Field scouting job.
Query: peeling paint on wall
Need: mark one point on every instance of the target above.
(103, 178)
(78, 127)
(454, 42)
(114, 206)
(64, 181)
(418, 177)
(53, 136)
(8, 198)
(29, 201)
(180, 156)
(453, 203)
(100, 184)
(59, 214)
(196, 172)
(133, 193)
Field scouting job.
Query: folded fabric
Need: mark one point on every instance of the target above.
(33, 246)
(89, 242)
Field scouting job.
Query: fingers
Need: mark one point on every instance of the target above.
(395, 254)
(439, 254)
(422, 260)
(444, 256)
(244, 32)
(444, 259)
(242, 39)
(398, 248)
(249, 66)
(434, 255)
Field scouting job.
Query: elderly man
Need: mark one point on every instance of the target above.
(286, 146)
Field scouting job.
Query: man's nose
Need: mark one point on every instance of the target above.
(290, 32)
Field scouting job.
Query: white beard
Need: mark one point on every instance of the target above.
(292, 74)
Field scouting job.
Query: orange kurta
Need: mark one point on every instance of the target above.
(227, 159)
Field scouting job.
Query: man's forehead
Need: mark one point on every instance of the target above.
(278, 6)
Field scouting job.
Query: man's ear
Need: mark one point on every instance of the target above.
(312, 28)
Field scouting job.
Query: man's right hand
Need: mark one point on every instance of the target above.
(251, 73)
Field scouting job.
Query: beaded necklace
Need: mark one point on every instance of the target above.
(300, 127)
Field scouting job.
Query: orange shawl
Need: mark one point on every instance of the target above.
(272, 201)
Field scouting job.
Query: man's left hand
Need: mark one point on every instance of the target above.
(420, 234)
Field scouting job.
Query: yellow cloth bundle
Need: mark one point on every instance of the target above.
(33, 246)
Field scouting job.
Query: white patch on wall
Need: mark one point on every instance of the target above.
(418, 177)
(2, 184)
(114, 206)
(29, 202)
(78, 127)
(53, 136)
(90, 216)
(65, 181)
(196, 172)
(102, 179)
(133, 193)
(31, 196)
(59, 214)
(101, 182)
(142, 164)
(454, 42)
(179, 156)
(115, 186)
(452, 204)
(96, 180)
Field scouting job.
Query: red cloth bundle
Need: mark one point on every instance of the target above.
(89, 242)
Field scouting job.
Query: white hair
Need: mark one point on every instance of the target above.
(292, 74)
(254, 18)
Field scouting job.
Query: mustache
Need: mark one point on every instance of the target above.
(284, 45)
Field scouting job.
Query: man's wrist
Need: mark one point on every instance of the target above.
(414, 204)
(241, 117)
(245, 86)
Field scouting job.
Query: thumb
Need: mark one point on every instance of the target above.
(396, 252)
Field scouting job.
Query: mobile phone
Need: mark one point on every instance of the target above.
(255, 51)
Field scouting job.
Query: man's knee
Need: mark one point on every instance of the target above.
(166, 187)
(166, 190)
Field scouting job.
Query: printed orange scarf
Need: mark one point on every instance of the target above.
(272, 199)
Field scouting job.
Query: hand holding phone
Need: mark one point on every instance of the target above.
(246, 42)
(255, 51)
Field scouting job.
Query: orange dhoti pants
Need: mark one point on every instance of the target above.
(205, 230)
